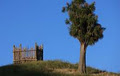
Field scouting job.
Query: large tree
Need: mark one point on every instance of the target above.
(84, 26)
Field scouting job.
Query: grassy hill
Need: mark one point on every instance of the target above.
(49, 68)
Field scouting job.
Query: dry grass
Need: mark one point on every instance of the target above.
(49, 68)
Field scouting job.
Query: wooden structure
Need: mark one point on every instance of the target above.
(22, 55)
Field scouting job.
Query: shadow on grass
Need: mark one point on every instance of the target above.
(23, 70)
(44, 68)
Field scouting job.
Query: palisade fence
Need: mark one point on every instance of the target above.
(22, 55)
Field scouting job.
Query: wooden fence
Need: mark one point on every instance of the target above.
(22, 55)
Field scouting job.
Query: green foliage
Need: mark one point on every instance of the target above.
(83, 22)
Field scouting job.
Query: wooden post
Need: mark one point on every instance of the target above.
(20, 53)
(41, 52)
(13, 53)
(36, 48)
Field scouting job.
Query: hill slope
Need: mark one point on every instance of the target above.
(49, 68)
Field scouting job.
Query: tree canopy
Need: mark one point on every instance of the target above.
(83, 22)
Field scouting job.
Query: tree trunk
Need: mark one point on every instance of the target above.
(82, 62)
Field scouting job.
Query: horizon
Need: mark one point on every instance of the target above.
(27, 22)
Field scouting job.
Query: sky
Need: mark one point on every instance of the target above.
(41, 21)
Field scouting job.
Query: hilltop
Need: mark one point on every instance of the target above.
(49, 68)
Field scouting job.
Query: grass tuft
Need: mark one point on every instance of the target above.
(49, 68)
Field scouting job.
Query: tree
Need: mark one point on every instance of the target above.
(84, 26)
